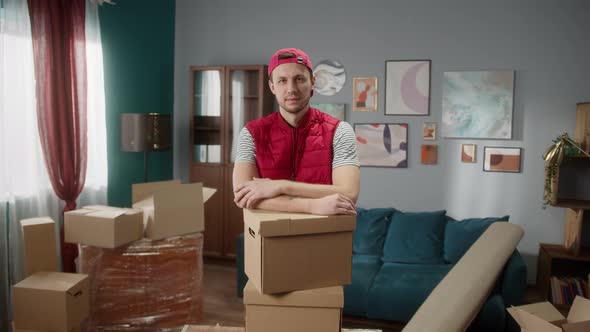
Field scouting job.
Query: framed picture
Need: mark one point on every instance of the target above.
(468, 152)
(429, 131)
(364, 94)
(498, 159)
(407, 87)
(478, 104)
(336, 110)
(428, 154)
(382, 144)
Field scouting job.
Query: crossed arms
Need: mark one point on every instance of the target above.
(289, 196)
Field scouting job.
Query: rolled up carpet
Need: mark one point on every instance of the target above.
(456, 300)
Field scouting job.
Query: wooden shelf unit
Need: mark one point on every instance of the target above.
(556, 260)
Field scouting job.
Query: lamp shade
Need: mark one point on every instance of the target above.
(133, 132)
(158, 131)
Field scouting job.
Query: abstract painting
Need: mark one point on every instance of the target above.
(364, 94)
(429, 131)
(329, 77)
(468, 153)
(336, 110)
(382, 145)
(478, 104)
(428, 154)
(407, 87)
(498, 159)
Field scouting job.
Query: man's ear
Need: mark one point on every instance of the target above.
(312, 85)
(271, 86)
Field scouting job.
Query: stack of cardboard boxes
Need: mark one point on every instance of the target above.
(47, 300)
(144, 263)
(296, 265)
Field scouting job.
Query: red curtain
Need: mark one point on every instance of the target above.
(59, 47)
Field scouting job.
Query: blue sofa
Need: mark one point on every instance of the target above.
(399, 257)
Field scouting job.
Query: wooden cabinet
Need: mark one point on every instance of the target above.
(556, 261)
(223, 100)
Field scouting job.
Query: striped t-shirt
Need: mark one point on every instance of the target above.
(343, 145)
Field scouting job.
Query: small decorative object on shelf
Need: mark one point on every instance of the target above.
(563, 146)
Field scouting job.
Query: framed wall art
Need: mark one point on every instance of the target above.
(407, 87)
(330, 77)
(468, 152)
(382, 144)
(429, 131)
(428, 154)
(478, 104)
(500, 159)
(336, 110)
(364, 94)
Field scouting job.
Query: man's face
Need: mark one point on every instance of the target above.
(292, 85)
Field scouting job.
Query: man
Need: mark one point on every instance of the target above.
(298, 159)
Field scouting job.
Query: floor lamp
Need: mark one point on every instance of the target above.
(145, 132)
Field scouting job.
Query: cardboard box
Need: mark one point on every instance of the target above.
(14, 329)
(103, 226)
(286, 252)
(312, 310)
(39, 248)
(171, 208)
(50, 301)
(544, 317)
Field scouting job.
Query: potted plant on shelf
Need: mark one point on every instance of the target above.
(563, 146)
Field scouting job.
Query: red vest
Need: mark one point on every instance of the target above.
(302, 154)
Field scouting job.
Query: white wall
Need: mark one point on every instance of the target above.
(545, 41)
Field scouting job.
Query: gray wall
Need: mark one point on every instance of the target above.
(546, 42)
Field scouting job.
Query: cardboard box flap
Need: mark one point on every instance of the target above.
(328, 297)
(57, 281)
(270, 223)
(207, 193)
(577, 327)
(531, 322)
(178, 196)
(141, 191)
(579, 311)
(36, 221)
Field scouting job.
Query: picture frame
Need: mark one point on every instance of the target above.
(429, 131)
(429, 154)
(478, 104)
(468, 153)
(365, 91)
(502, 159)
(407, 87)
(382, 144)
(333, 109)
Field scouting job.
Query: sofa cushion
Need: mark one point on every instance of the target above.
(399, 289)
(460, 235)
(364, 270)
(415, 237)
(371, 228)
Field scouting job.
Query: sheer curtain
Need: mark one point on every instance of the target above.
(25, 190)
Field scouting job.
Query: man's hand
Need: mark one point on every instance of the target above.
(332, 204)
(250, 193)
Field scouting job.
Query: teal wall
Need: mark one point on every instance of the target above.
(138, 51)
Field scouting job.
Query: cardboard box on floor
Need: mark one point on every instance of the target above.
(51, 301)
(171, 208)
(544, 317)
(293, 251)
(103, 226)
(312, 310)
(39, 249)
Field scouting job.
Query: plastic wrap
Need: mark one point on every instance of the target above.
(145, 286)
(194, 328)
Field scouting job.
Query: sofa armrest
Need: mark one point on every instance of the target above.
(514, 280)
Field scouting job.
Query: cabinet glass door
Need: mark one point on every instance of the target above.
(207, 116)
(244, 103)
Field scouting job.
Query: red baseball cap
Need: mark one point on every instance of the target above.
(289, 55)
